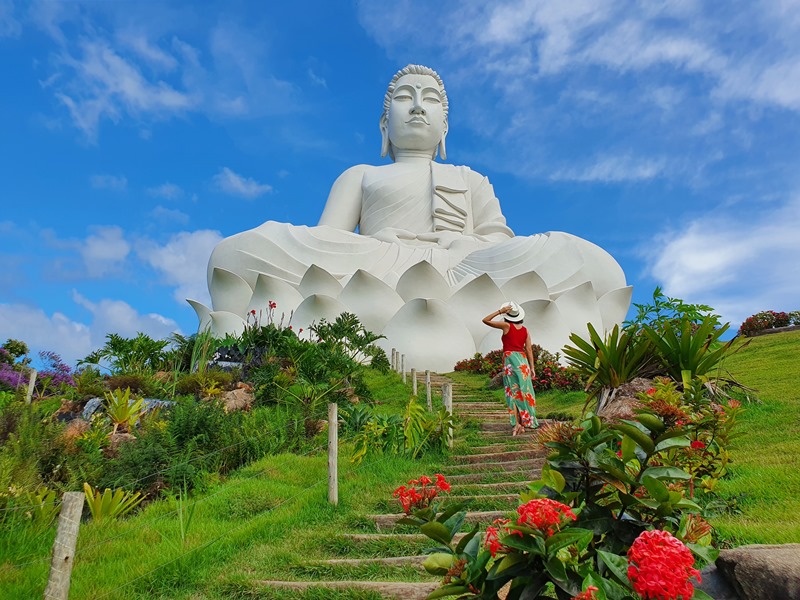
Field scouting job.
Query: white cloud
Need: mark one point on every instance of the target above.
(70, 339)
(182, 262)
(738, 265)
(146, 50)
(612, 169)
(168, 191)
(104, 251)
(108, 182)
(169, 215)
(316, 79)
(237, 185)
(9, 26)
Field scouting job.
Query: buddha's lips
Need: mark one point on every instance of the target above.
(418, 120)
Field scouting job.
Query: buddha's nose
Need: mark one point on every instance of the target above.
(417, 108)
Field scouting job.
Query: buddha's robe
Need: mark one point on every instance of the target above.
(418, 199)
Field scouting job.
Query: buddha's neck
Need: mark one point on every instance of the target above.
(412, 156)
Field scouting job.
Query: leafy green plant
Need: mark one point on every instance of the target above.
(141, 354)
(122, 410)
(608, 363)
(665, 312)
(110, 505)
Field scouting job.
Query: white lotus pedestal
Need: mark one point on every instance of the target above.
(432, 324)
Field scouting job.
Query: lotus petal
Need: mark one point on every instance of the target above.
(614, 306)
(474, 301)
(271, 289)
(545, 323)
(224, 323)
(579, 306)
(203, 314)
(429, 335)
(422, 281)
(231, 292)
(490, 341)
(315, 308)
(318, 281)
(525, 287)
(371, 299)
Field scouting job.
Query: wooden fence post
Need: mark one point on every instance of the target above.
(403, 366)
(64, 547)
(394, 359)
(428, 388)
(333, 453)
(31, 383)
(447, 398)
(414, 381)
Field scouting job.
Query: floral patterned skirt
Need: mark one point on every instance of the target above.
(519, 389)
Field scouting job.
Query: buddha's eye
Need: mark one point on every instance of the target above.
(432, 100)
(402, 97)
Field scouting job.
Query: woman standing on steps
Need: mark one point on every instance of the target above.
(518, 369)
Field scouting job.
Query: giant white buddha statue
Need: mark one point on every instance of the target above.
(418, 249)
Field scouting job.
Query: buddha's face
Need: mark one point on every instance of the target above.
(416, 118)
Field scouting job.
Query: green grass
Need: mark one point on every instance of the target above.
(271, 520)
(765, 475)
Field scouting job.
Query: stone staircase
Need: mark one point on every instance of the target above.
(490, 473)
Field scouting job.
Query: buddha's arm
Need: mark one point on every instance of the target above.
(343, 207)
(488, 220)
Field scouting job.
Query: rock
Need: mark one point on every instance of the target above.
(496, 382)
(117, 439)
(715, 585)
(238, 399)
(91, 407)
(763, 572)
(625, 400)
(151, 404)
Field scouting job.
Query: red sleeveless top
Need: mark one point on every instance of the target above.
(514, 340)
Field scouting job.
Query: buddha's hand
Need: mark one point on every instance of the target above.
(443, 239)
(393, 235)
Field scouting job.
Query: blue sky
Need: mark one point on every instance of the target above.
(136, 135)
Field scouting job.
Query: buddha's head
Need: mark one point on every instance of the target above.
(414, 112)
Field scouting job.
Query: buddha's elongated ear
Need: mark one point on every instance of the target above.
(386, 146)
(442, 148)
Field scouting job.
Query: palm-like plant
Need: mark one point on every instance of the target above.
(123, 411)
(110, 504)
(608, 363)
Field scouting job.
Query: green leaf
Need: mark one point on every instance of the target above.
(438, 563)
(701, 595)
(639, 436)
(674, 442)
(708, 554)
(553, 479)
(666, 473)
(579, 537)
(465, 540)
(657, 489)
(594, 579)
(451, 589)
(628, 448)
(556, 569)
(618, 565)
(437, 532)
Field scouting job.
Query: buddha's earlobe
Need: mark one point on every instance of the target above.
(442, 148)
(385, 146)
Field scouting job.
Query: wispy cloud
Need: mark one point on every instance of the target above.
(169, 215)
(739, 266)
(612, 169)
(70, 339)
(108, 182)
(104, 251)
(237, 185)
(9, 26)
(168, 191)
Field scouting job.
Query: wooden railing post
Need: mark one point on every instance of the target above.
(394, 359)
(333, 453)
(414, 382)
(403, 366)
(31, 383)
(428, 388)
(69, 522)
(447, 399)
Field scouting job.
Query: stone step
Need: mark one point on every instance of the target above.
(395, 590)
(511, 465)
(492, 449)
(491, 458)
(388, 521)
(411, 537)
(479, 405)
(520, 476)
(506, 485)
(485, 497)
(391, 561)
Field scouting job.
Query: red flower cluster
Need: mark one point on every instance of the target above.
(660, 567)
(697, 445)
(587, 594)
(544, 514)
(412, 498)
(492, 540)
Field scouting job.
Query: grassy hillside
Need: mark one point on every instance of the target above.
(765, 475)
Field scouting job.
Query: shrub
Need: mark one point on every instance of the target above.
(550, 374)
(768, 319)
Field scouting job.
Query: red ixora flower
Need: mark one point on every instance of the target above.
(272, 305)
(412, 498)
(587, 594)
(544, 514)
(253, 312)
(697, 445)
(651, 391)
(660, 566)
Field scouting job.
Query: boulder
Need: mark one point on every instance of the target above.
(715, 585)
(763, 572)
(239, 399)
(625, 399)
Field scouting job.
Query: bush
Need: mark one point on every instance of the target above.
(550, 374)
(768, 319)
